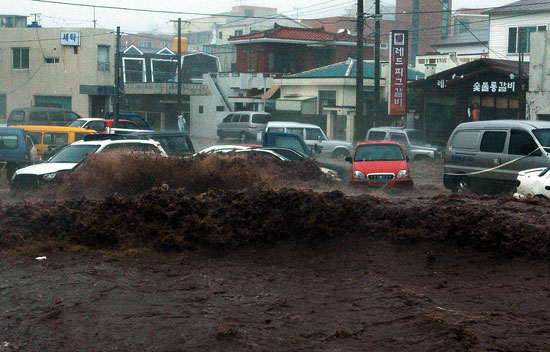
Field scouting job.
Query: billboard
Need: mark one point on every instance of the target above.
(398, 74)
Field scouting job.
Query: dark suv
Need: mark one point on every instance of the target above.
(175, 143)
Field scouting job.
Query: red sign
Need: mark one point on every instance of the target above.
(398, 67)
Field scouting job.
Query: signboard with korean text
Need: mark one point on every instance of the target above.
(70, 38)
(398, 77)
(494, 86)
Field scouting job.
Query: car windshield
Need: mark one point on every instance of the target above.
(417, 137)
(77, 123)
(74, 153)
(543, 136)
(379, 152)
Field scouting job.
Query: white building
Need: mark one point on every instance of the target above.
(229, 92)
(454, 51)
(511, 26)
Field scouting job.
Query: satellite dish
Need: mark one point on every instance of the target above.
(512, 76)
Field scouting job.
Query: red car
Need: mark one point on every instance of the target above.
(378, 164)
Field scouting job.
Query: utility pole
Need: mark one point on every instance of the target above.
(358, 133)
(377, 63)
(118, 75)
(180, 108)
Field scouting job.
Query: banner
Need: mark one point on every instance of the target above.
(398, 74)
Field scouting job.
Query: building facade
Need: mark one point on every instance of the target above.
(538, 96)
(59, 67)
(428, 22)
(291, 50)
(511, 26)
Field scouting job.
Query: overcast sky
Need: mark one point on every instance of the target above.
(58, 15)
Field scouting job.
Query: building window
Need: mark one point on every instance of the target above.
(133, 69)
(3, 106)
(145, 43)
(21, 58)
(518, 38)
(327, 98)
(220, 35)
(445, 20)
(219, 108)
(238, 32)
(51, 60)
(383, 46)
(103, 58)
(201, 109)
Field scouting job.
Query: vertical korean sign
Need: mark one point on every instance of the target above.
(398, 77)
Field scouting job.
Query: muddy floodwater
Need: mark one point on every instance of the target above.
(234, 254)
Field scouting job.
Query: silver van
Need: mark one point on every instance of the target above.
(243, 125)
(487, 155)
(413, 141)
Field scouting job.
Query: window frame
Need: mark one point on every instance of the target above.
(104, 65)
(21, 58)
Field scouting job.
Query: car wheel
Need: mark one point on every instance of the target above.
(340, 154)
(462, 185)
(242, 137)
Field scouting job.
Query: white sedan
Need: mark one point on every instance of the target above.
(534, 183)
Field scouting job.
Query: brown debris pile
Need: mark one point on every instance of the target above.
(129, 174)
(165, 219)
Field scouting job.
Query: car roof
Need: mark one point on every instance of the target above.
(378, 142)
(392, 128)
(506, 124)
(40, 108)
(40, 128)
(290, 124)
(159, 133)
(115, 141)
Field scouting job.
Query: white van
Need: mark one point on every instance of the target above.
(314, 137)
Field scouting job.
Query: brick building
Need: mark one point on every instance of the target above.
(428, 22)
(292, 50)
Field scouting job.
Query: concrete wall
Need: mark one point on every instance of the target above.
(75, 68)
(538, 97)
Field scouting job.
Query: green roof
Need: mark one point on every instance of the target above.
(348, 69)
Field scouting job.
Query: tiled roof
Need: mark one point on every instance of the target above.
(522, 6)
(291, 33)
(476, 36)
(348, 69)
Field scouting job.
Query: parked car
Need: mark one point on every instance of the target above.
(69, 157)
(41, 116)
(413, 141)
(314, 137)
(487, 156)
(138, 119)
(106, 126)
(378, 164)
(16, 150)
(174, 143)
(46, 138)
(243, 125)
(534, 183)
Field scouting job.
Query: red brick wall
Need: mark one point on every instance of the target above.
(256, 56)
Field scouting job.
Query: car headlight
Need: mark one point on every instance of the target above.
(358, 175)
(403, 174)
(50, 176)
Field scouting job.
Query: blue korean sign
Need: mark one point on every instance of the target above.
(70, 38)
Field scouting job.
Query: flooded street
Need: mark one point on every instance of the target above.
(266, 267)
